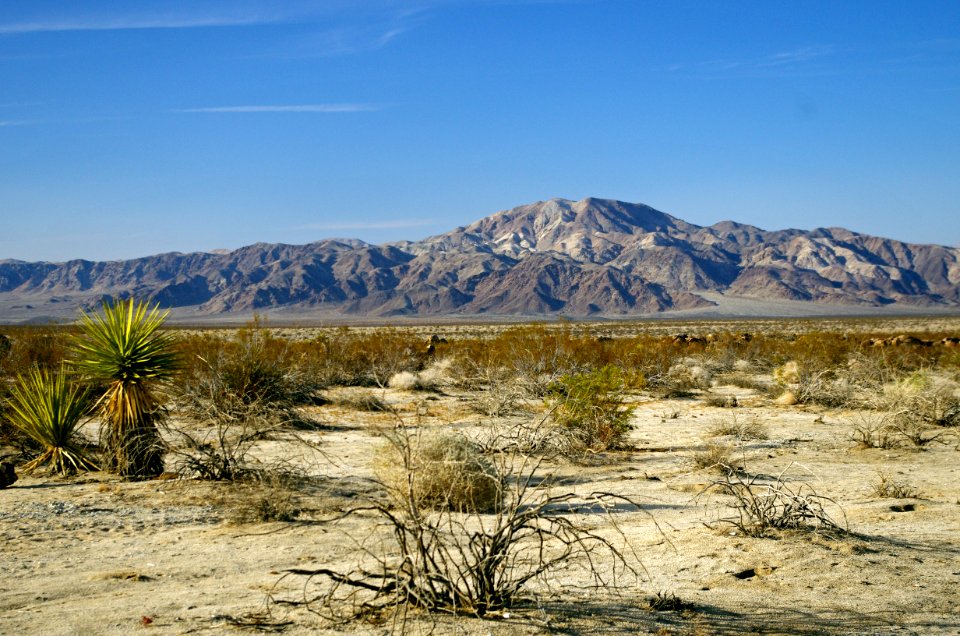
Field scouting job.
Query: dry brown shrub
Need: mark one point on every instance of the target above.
(872, 430)
(28, 346)
(763, 505)
(470, 563)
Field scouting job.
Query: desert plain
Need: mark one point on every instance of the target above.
(91, 553)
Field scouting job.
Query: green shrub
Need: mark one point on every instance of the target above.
(591, 407)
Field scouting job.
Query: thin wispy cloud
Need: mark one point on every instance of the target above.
(291, 108)
(368, 225)
(4, 123)
(127, 23)
(797, 59)
(800, 55)
(348, 39)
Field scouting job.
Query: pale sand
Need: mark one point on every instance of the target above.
(93, 555)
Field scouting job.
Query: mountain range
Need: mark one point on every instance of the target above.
(593, 257)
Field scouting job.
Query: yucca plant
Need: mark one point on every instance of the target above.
(48, 409)
(123, 347)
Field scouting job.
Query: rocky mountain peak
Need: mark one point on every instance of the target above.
(588, 257)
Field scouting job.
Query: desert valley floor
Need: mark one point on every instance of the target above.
(93, 554)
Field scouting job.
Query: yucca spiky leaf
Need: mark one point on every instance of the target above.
(49, 410)
(123, 344)
(124, 347)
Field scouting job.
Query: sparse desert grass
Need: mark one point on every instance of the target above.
(742, 428)
(270, 498)
(714, 457)
(722, 401)
(888, 487)
(745, 380)
(380, 534)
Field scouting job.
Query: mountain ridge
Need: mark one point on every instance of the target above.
(594, 257)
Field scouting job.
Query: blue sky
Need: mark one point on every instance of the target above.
(133, 128)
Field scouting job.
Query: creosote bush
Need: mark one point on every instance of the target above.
(252, 373)
(590, 406)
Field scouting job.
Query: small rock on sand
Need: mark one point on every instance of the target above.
(7, 474)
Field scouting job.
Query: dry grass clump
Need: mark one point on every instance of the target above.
(367, 402)
(890, 488)
(930, 399)
(828, 387)
(742, 429)
(430, 379)
(687, 376)
(405, 381)
(267, 499)
(714, 457)
(921, 407)
(787, 373)
(667, 602)
(722, 401)
(438, 470)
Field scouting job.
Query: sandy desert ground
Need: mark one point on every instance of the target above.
(92, 554)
